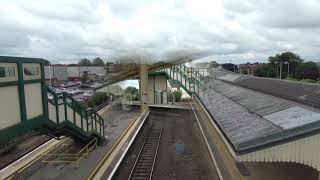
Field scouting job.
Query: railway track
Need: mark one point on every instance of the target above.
(12, 152)
(143, 166)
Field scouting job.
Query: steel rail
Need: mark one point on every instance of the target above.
(143, 167)
(105, 157)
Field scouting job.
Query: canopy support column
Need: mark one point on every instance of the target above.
(144, 86)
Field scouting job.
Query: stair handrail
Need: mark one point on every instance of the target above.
(80, 109)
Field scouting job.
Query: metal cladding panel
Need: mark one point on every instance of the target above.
(151, 90)
(60, 73)
(160, 83)
(303, 151)
(33, 96)
(48, 72)
(9, 106)
(293, 117)
(74, 71)
(93, 69)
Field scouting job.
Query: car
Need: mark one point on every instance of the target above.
(77, 91)
(88, 94)
(69, 84)
(76, 83)
(50, 96)
(63, 89)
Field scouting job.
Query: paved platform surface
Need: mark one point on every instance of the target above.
(116, 123)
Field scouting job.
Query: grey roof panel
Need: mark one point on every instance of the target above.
(237, 123)
(249, 118)
(293, 117)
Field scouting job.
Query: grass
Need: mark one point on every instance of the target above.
(304, 80)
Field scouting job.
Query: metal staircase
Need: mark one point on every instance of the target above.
(67, 117)
(187, 77)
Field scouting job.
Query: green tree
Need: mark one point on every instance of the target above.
(293, 59)
(265, 70)
(84, 62)
(133, 92)
(230, 67)
(85, 78)
(307, 70)
(98, 62)
(177, 95)
(98, 98)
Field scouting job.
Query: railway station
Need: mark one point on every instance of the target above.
(233, 126)
(159, 90)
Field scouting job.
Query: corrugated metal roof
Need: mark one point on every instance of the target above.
(236, 121)
(246, 116)
(293, 117)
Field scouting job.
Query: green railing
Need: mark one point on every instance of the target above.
(187, 77)
(65, 111)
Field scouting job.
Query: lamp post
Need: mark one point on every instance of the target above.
(280, 70)
(288, 68)
(277, 68)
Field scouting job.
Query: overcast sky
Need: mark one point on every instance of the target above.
(229, 30)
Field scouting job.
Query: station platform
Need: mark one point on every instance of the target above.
(32, 168)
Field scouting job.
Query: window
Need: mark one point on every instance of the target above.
(7, 72)
(31, 71)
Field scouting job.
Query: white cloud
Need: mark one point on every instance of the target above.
(248, 30)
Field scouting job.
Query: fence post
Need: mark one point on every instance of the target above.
(87, 119)
(95, 121)
(87, 152)
(65, 106)
(56, 106)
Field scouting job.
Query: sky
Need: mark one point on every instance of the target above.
(64, 31)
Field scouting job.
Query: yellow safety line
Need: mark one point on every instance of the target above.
(106, 156)
(33, 161)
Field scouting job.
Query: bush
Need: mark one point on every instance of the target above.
(309, 81)
(292, 79)
(307, 70)
(177, 95)
(98, 98)
(133, 93)
(265, 70)
(186, 99)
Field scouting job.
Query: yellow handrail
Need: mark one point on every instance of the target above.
(75, 158)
